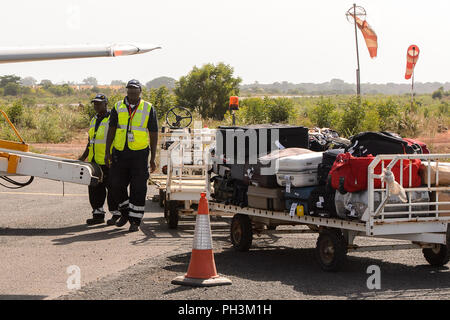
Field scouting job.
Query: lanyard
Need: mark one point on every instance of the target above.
(131, 114)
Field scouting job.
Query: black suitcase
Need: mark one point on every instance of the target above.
(239, 194)
(262, 180)
(223, 189)
(259, 142)
(321, 202)
(328, 158)
(376, 143)
(241, 172)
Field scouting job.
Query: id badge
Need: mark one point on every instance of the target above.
(130, 137)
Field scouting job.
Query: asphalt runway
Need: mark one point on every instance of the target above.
(43, 233)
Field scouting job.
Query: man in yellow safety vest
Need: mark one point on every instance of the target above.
(133, 134)
(95, 152)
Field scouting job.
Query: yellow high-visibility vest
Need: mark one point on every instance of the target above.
(97, 140)
(137, 126)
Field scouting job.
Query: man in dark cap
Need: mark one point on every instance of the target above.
(95, 152)
(133, 134)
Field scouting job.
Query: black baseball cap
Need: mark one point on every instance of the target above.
(134, 84)
(100, 97)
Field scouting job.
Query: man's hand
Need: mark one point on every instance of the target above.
(108, 159)
(152, 166)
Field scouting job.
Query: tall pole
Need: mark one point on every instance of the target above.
(412, 79)
(358, 84)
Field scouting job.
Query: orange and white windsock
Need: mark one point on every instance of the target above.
(369, 36)
(412, 55)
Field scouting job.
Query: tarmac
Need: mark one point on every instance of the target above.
(43, 233)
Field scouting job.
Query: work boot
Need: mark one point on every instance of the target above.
(123, 220)
(113, 220)
(134, 225)
(97, 219)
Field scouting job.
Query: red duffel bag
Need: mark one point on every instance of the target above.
(349, 174)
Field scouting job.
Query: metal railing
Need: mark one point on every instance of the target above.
(427, 208)
(176, 159)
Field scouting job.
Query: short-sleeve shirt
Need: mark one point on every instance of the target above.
(152, 124)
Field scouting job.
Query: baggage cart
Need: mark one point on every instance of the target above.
(425, 229)
(186, 172)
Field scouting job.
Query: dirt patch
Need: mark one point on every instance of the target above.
(439, 143)
(70, 150)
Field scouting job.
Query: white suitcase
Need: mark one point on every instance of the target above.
(298, 179)
(300, 162)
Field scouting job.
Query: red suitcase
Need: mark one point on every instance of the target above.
(349, 174)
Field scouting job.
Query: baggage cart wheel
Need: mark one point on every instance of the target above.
(162, 197)
(438, 255)
(331, 250)
(241, 232)
(172, 214)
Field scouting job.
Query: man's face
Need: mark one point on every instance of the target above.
(100, 106)
(133, 93)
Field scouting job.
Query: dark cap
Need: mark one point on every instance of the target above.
(134, 84)
(100, 97)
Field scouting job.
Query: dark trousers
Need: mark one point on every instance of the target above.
(102, 191)
(130, 168)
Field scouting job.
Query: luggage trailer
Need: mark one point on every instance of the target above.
(426, 229)
(187, 174)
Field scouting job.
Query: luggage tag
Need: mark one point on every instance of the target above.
(279, 145)
(300, 211)
(130, 136)
(293, 209)
(288, 183)
(320, 203)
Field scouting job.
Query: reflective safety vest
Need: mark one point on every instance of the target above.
(137, 126)
(97, 140)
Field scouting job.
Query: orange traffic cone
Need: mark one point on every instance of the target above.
(202, 268)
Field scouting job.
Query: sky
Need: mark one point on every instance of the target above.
(265, 41)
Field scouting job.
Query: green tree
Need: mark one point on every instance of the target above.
(438, 93)
(208, 89)
(46, 84)
(5, 80)
(11, 89)
(161, 99)
(92, 81)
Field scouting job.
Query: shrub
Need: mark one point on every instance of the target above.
(280, 110)
(388, 111)
(323, 114)
(352, 117)
(252, 110)
(15, 112)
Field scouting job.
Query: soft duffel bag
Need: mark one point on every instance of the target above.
(349, 174)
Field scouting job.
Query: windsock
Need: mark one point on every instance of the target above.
(369, 36)
(412, 55)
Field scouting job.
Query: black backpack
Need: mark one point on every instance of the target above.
(376, 143)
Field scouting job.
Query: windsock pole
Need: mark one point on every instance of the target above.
(358, 80)
(412, 81)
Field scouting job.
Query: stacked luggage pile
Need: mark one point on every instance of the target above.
(289, 176)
